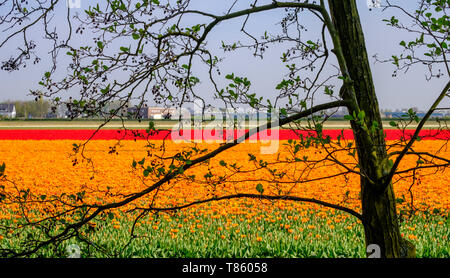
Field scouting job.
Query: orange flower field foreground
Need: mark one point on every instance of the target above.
(46, 169)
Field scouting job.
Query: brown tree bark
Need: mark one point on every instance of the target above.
(380, 219)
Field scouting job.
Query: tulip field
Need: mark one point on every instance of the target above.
(41, 163)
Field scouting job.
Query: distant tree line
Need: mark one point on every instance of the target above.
(32, 108)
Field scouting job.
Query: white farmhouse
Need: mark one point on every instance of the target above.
(7, 110)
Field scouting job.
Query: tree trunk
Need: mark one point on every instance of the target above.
(378, 208)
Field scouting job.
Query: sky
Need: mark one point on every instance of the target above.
(404, 91)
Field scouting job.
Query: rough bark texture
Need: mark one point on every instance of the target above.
(378, 208)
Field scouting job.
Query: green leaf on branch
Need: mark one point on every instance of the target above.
(251, 157)
(390, 163)
(124, 49)
(348, 117)
(259, 188)
(361, 115)
(146, 172)
(393, 124)
(136, 36)
(2, 169)
(230, 76)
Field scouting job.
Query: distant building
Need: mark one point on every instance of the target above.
(51, 115)
(7, 110)
(139, 113)
(158, 113)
